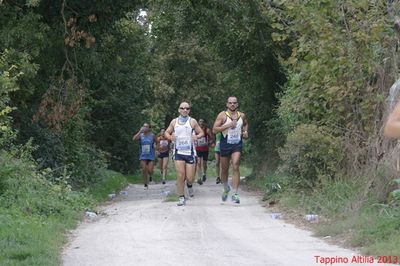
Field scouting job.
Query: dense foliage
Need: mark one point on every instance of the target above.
(76, 76)
(80, 79)
(340, 69)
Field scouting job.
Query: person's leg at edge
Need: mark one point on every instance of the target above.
(150, 169)
(217, 167)
(205, 158)
(160, 165)
(164, 168)
(224, 161)
(200, 169)
(180, 177)
(236, 170)
(235, 157)
(190, 175)
(143, 166)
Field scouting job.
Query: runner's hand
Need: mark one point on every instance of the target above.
(173, 137)
(245, 134)
(233, 124)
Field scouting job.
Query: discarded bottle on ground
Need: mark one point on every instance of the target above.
(311, 217)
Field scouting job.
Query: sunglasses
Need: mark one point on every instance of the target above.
(232, 102)
(184, 108)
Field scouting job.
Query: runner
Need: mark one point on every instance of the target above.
(163, 154)
(233, 126)
(146, 157)
(202, 151)
(217, 155)
(392, 126)
(180, 130)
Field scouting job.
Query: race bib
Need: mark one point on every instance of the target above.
(202, 142)
(234, 136)
(183, 144)
(145, 149)
(163, 143)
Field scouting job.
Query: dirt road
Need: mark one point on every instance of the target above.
(142, 229)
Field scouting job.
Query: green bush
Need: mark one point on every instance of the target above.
(27, 190)
(274, 185)
(83, 161)
(336, 197)
(35, 211)
(310, 154)
(110, 181)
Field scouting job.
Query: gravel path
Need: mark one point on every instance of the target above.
(141, 228)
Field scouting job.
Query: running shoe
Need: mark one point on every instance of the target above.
(199, 181)
(190, 191)
(163, 181)
(146, 186)
(235, 198)
(218, 180)
(204, 178)
(181, 201)
(225, 193)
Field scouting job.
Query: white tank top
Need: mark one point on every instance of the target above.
(233, 135)
(183, 137)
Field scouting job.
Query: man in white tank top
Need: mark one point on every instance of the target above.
(180, 130)
(233, 127)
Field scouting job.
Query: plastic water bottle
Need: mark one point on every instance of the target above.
(90, 214)
(311, 217)
(276, 215)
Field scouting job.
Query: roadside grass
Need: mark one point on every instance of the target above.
(32, 239)
(110, 182)
(346, 214)
(35, 215)
(375, 231)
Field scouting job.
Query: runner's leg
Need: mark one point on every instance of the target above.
(180, 177)
(160, 165)
(199, 169)
(143, 166)
(205, 159)
(190, 172)
(150, 168)
(164, 167)
(224, 164)
(224, 176)
(217, 167)
(235, 170)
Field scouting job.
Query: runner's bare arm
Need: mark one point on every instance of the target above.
(170, 130)
(155, 142)
(137, 135)
(199, 131)
(392, 127)
(210, 137)
(245, 127)
(218, 124)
